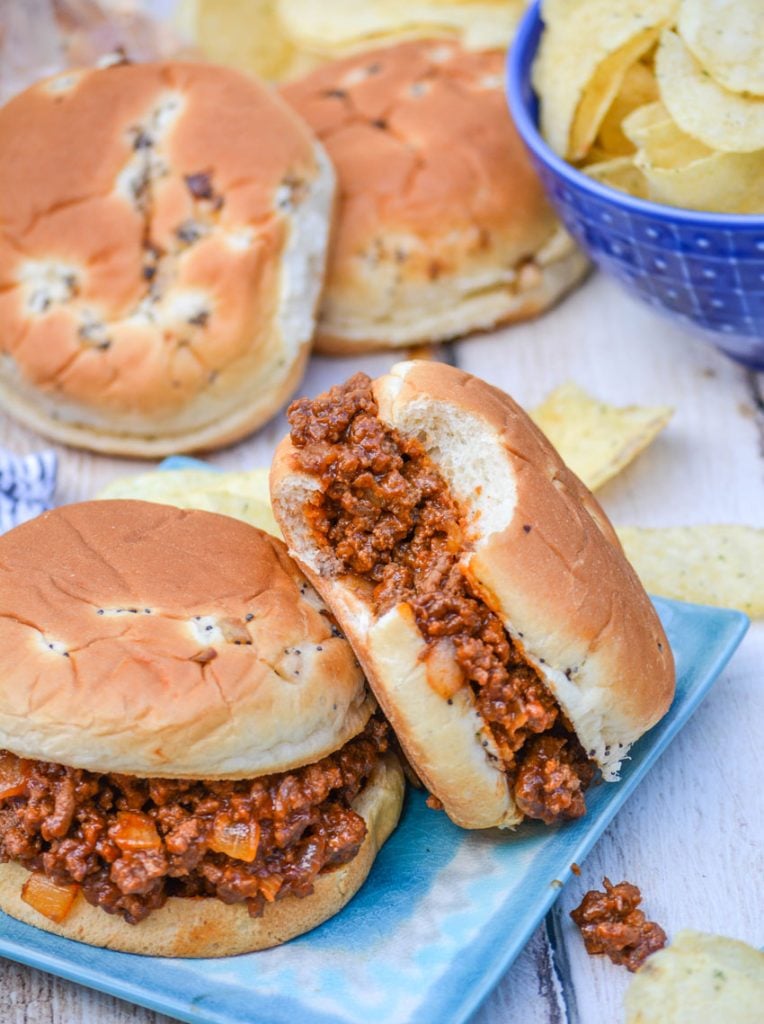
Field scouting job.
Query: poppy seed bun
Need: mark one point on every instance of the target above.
(544, 558)
(160, 642)
(206, 927)
(443, 226)
(163, 235)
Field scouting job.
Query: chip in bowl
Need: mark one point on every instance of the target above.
(638, 88)
(586, 51)
(727, 37)
(701, 107)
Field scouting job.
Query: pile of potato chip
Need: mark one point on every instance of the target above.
(663, 99)
(718, 565)
(279, 39)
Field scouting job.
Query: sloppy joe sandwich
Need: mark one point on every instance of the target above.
(443, 227)
(507, 639)
(190, 762)
(163, 233)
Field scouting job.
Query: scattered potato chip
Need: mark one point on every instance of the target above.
(341, 26)
(717, 565)
(621, 173)
(243, 34)
(727, 37)
(702, 108)
(579, 36)
(698, 979)
(239, 495)
(638, 88)
(597, 440)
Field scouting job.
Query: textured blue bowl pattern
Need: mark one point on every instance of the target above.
(700, 268)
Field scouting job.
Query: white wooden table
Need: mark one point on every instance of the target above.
(692, 836)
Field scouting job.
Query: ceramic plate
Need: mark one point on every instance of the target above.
(442, 915)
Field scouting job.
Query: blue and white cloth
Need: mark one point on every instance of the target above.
(27, 485)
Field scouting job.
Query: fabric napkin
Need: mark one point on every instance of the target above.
(27, 484)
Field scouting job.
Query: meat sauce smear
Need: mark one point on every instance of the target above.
(131, 843)
(386, 513)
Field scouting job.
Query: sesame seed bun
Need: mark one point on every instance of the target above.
(443, 226)
(546, 560)
(163, 233)
(157, 642)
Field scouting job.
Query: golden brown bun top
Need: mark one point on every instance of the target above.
(143, 214)
(156, 641)
(424, 145)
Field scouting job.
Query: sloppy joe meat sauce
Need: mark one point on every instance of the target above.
(131, 843)
(611, 924)
(387, 515)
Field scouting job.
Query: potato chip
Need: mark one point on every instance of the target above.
(336, 28)
(580, 35)
(243, 34)
(698, 979)
(638, 88)
(727, 37)
(601, 90)
(621, 173)
(240, 495)
(717, 565)
(719, 118)
(597, 440)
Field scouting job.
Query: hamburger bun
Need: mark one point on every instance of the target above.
(163, 234)
(154, 642)
(544, 558)
(231, 668)
(203, 927)
(443, 226)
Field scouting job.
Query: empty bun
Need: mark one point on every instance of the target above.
(163, 233)
(546, 559)
(207, 927)
(154, 641)
(443, 226)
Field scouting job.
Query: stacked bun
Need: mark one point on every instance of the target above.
(195, 734)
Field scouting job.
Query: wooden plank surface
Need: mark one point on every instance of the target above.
(691, 836)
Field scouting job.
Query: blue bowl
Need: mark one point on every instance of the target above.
(702, 269)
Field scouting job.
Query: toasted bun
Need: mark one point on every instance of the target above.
(547, 561)
(202, 927)
(443, 225)
(126, 645)
(163, 233)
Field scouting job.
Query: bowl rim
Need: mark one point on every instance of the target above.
(515, 81)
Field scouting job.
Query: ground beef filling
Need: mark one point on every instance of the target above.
(386, 513)
(611, 925)
(131, 843)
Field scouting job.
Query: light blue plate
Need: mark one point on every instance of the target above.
(442, 916)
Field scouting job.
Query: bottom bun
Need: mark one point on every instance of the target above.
(205, 927)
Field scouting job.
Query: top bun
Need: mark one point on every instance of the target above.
(153, 641)
(443, 225)
(163, 231)
(543, 556)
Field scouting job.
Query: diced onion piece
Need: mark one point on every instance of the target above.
(236, 839)
(443, 672)
(134, 831)
(270, 886)
(13, 776)
(51, 900)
